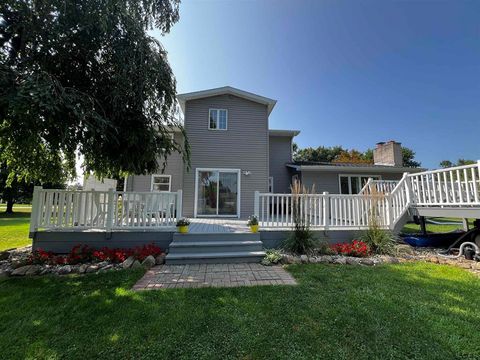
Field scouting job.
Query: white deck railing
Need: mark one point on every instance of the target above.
(456, 186)
(104, 210)
(320, 210)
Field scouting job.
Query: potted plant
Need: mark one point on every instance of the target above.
(182, 225)
(253, 223)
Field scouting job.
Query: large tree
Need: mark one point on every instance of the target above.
(85, 77)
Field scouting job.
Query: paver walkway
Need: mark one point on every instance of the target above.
(213, 275)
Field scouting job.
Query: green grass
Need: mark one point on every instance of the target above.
(434, 228)
(14, 227)
(405, 311)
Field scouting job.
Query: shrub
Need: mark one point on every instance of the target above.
(356, 248)
(380, 241)
(301, 240)
(272, 256)
(183, 222)
(252, 220)
(324, 248)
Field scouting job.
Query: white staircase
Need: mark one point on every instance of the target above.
(449, 192)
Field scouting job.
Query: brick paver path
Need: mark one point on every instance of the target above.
(213, 275)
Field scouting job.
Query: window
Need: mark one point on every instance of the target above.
(270, 184)
(352, 184)
(161, 182)
(217, 119)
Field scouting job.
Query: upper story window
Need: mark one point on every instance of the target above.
(217, 119)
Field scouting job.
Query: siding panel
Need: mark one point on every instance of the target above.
(280, 150)
(244, 146)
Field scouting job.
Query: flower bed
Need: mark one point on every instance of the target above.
(81, 259)
(356, 248)
(83, 254)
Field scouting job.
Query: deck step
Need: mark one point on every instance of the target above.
(178, 247)
(215, 257)
(191, 237)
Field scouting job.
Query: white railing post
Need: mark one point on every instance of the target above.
(326, 210)
(256, 205)
(35, 210)
(179, 203)
(110, 208)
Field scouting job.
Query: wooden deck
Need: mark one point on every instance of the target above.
(216, 225)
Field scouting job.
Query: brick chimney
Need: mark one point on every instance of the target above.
(388, 153)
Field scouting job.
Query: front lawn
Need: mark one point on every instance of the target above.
(14, 227)
(414, 310)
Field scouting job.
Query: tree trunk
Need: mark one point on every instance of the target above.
(8, 195)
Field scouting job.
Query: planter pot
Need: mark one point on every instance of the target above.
(182, 229)
(254, 228)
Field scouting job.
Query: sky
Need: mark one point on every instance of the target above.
(348, 73)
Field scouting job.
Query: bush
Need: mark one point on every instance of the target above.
(272, 256)
(380, 241)
(301, 240)
(356, 248)
(323, 248)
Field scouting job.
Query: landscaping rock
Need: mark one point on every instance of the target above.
(82, 269)
(160, 259)
(4, 255)
(304, 259)
(92, 269)
(127, 264)
(352, 260)
(340, 260)
(64, 270)
(367, 261)
(106, 268)
(148, 262)
(4, 274)
(33, 270)
(20, 271)
(136, 264)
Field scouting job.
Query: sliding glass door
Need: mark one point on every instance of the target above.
(217, 192)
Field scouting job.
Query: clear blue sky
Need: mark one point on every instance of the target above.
(348, 73)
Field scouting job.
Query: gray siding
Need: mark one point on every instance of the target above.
(243, 146)
(280, 150)
(329, 180)
(174, 167)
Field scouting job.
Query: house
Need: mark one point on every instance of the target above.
(240, 167)
(235, 153)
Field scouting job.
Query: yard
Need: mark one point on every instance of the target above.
(337, 312)
(14, 227)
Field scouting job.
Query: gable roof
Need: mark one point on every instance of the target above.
(226, 90)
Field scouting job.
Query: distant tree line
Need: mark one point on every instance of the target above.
(338, 154)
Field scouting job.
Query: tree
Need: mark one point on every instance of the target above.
(319, 154)
(338, 154)
(353, 157)
(84, 77)
(460, 162)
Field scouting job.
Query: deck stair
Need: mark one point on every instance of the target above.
(196, 248)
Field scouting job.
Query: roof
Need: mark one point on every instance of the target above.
(353, 167)
(226, 90)
(278, 132)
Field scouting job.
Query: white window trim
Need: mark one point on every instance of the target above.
(218, 119)
(377, 177)
(195, 205)
(161, 175)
